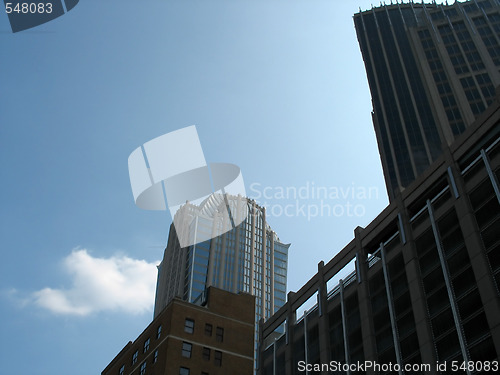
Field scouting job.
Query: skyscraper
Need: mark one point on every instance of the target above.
(248, 258)
(432, 69)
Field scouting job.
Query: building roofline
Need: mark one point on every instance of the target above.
(408, 4)
(117, 357)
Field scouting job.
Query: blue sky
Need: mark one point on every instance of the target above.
(275, 87)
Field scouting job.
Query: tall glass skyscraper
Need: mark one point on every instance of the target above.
(248, 258)
(432, 69)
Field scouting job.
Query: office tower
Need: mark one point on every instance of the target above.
(432, 69)
(248, 258)
(419, 285)
(187, 339)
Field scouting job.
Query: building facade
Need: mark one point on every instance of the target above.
(249, 258)
(188, 339)
(424, 287)
(432, 69)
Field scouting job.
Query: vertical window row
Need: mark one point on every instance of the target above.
(454, 52)
(473, 96)
(267, 365)
(468, 46)
(487, 214)
(280, 267)
(381, 319)
(400, 83)
(337, 351)
(299, 348)
(470, 308)
(387, 159)
(188, 273)
(489, 39)
(486, 86)
(313, 344)
(481, 93)
(494, 19)
(438, 303)
(444, 89)
(392, 121)
(405, 321)
(353, 325)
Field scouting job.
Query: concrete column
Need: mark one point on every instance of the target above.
(417, 295)
(323, 323)
(390, 303)
(347, 356)
(290, 323)
(365, 308)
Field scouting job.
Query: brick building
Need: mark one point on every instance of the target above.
(212, 339)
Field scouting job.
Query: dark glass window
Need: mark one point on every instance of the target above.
(183, 371)
(448, 346)
(219, 334)
(189, 326)
(443, 323)
(218, 358)
(206, 354)
(476, 328)
(409, 345)
(336, 335)
(208, 329)
(186, 349)
(483, 351)
(451, 12)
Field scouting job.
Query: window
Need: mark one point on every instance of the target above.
(219, 334)
(183, 371)
(134, 357)
(206, 354)
(158, 332)
(208, 329)
(189, 326)
(122, 370)
(146, 345)
(143, 369)
(155, 356)
(186, 349)
(218, 358)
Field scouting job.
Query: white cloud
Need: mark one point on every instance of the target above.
(118, 283)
